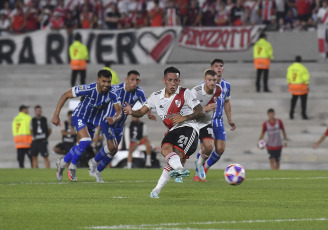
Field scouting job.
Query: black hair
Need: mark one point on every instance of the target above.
(171, 69)
(270, 110)
(37, 107)
(105, 73)
(298, 58)
(210, 72)
(217, 60)
(133, 72)
(78, 37)
(262, 35)
(70, 112)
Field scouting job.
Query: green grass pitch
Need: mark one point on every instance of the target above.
(34, 199)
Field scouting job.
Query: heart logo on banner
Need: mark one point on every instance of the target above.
(156, 46)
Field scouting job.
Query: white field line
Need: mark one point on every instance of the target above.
(171, 226)
(154, 181)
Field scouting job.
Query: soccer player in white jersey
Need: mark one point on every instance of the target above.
(208, 92)
(223, 103)
(96, 98)
(178, 108)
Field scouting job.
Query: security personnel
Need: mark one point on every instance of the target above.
(22, 135)
(262, 54)
(298, 78)
(115, 80)
(79, 56)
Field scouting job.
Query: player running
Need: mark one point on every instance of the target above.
(178, 109)
(96, 98)
(207, 93)
(223, 103)
(129, 92)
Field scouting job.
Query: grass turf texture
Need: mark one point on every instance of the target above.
(34, 199)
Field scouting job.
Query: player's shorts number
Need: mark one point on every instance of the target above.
(210, 131)
(79, 123)
(183, 140)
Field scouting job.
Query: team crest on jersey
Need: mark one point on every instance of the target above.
(215, 99)
(135, 97)
(178, 103)
(107, 100)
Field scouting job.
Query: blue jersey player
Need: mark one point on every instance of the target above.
(223, 103)
(96, 99)
(128, 92)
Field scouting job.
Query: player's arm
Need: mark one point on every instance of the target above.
(117, 116)
(198, 112)
(322, 138)
(68, 94)
(227, 110)
(136, 113)
(263, 131)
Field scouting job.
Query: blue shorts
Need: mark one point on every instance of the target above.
(218, 129)
(111, 132)
(79, 123)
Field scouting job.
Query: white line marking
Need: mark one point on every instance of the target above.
(154, 181)
(162, 225)
(120, 197)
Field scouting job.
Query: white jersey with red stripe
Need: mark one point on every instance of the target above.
(167, 107)
(206, 99)
(323, 15)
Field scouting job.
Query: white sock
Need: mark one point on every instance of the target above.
(148, 160)
(62, 163)
(93, 160)
(173, 160)
(165, 177)
(129, 165)
(72, 166)
(202, 158)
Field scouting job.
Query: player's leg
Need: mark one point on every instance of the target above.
(292, 106)
(266, 80)
(258, 80)
(45, 154)
(272, 163)
(34, 154)
(149, 148)
(303, 104)
(277, 158)
(132, 147)
(73, 77)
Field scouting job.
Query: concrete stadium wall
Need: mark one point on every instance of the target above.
(285, 45)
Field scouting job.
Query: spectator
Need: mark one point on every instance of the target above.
(140, 20)
(304, 12)
(237, 14)
(112, 17)
(6, 10)
(79, 55)
(315, 8)
(70, 23)
(56, 21)
(222, 17)
(60, 9)
(253, 7)
(41, 130)
(22, 135)
(267, 9)
(32, 18)
(323, 13)
(209, 17)
(86, 17)
(193, 16)
(156, 15)
(47, 4)
(138, 136)
(133, 7)
(298, 79)
(69, 137)
(273, 127)
(182, 6)
(291, 21)
(44, 18)
(88, 5)
(18, 22)
(171, 16)
(4, 24)
(124, 22)
(229, 5)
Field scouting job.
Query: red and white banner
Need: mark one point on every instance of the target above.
(228, 38)
(322, 32)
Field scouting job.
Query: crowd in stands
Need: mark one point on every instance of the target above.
(20, 16)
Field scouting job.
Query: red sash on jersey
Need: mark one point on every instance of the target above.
(175, 107)
(216, 95)
(324, 18)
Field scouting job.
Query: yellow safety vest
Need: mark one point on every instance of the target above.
(21, 130)
(115, 79)
(298, 78)
(262, 54)
(79, 55)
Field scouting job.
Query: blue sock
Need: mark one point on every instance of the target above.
(103, 163)
(80, 149)
(101, 154)
(70, 154)
(198, 155)
(215, 157)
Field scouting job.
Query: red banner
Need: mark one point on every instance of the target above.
(220, 38)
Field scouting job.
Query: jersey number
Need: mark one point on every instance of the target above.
(17, 127)
(294, 76)
(259, 50)
(75, 52)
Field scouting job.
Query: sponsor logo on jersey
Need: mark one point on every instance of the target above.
(215, 99)
(161, 106)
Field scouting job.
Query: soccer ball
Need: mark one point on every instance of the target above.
(261, 144)
(234, 174)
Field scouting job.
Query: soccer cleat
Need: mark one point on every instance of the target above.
(154, 194)
(200, 170)
(92, 167)
(179, 173)
(59, 173)
(178, 180)
(97, 175)
(72, 174)
(196, 178)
